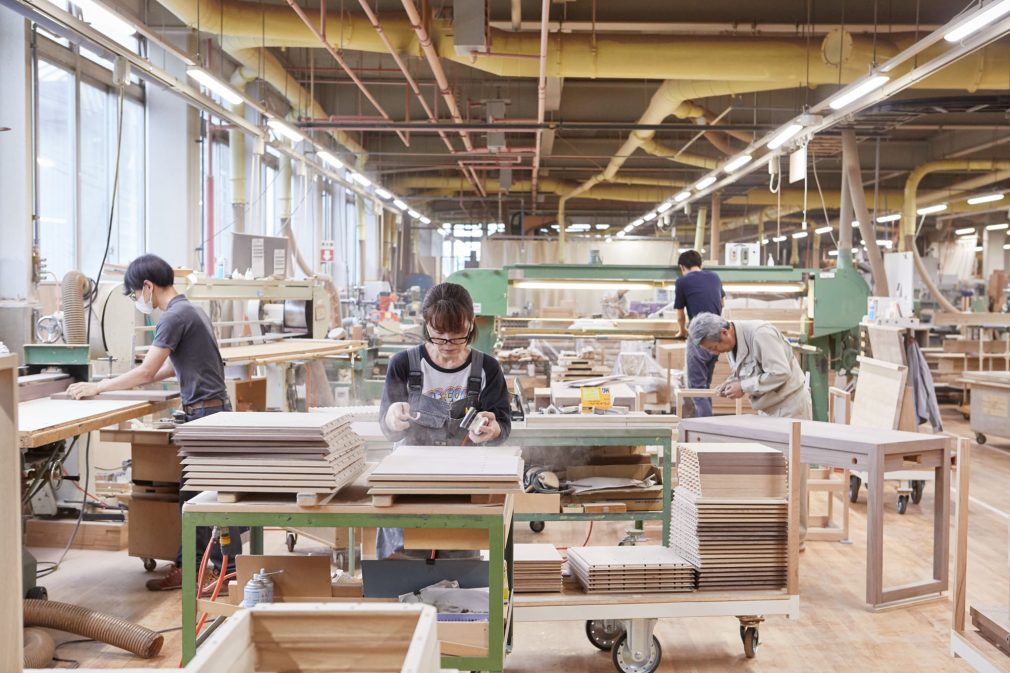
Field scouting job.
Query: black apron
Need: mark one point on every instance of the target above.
(437, 422)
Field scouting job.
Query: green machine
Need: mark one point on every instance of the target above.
(829, 336)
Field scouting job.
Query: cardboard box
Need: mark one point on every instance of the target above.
(157, 525)
(536, 503)
(636, 499)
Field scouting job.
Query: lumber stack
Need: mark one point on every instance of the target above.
(536, 568)
(636, 569)
(730, 514)
(446, 470)
(262, 452)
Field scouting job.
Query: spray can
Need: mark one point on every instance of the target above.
(255, 592)
(268, 584)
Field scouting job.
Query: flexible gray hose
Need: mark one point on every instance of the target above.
(39, 648)
(96, 625)
(75, 326)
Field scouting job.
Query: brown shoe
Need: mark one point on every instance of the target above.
(168, 582)
(210, 581)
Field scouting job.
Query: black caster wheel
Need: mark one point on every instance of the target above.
(537, 526)
(624, 660)
(751, 638)
(918, 487)
(854, 484)
(291, 539)
(601, 636)
(902, 504)
(150, 564)
(980, 438)
(38, 593)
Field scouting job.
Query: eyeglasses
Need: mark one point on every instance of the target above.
(458, 341)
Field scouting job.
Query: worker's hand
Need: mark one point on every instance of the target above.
(398, 417)
(83, 389)
(731, 389)
(487, 432)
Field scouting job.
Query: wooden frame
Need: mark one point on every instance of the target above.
(11, 644)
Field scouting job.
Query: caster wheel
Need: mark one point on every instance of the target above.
(751, 638)
(902, 504)
(603, 635)
(980, 438)
(150, 564)
(291, 539)
(624, 659)
(918, 487)
(537, 526)
(38, 593)
(854, 484)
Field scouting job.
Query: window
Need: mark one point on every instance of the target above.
(56, 161)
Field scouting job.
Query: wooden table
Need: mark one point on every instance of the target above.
(872, 451)
(46, 420)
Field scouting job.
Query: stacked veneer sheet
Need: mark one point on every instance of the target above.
(536, 568)
(261, 452)
(447, 470)
(730, 515)
(630, 569)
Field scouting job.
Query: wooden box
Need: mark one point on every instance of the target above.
(157, 525)
(536, 503)
(248, 394)
(154, 457)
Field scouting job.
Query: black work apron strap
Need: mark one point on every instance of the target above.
(415, 378)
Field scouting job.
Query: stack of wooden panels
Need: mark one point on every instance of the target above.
(354, 414)
(260, 452)
(573, 368)
(536, 568)
(634, 569)
(446, 470)
(730, 515)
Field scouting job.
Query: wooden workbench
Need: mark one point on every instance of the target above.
(46, 420)
(866, 449)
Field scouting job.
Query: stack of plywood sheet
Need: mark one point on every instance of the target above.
(259, 452)
(354, 414)
(537, 568)
(730, 515)
(446, 470)
(637, 569)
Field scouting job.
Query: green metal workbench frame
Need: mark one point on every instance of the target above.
(499, 527)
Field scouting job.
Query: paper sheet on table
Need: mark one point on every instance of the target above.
(591, 484)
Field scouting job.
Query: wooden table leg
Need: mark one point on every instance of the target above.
(875, 531)
(941, 520)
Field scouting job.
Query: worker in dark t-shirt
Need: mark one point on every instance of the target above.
(697, 291)
(184, 346)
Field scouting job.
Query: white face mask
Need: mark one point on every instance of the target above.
(144, 306)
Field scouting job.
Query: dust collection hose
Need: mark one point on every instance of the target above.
(75, 325)
(39, 648)
(97, 625)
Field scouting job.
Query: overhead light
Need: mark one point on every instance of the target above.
(779, 239)
(706, 181)
(330, 159)
(979, 248)
(105, 21)
(400, 204)
(282, 129)
(996, 227)
(628, 228)
(893, 217)
(823, 230)
(978, 21)
(425, 220)
(682, 196)
(621, 234)
(929, 210)
(737, 163)
(359, 178)
(885, 243)
(985, 198)
(783, 136)
(637, 223)
(382, 193)
(580, 285)
(965, 231)
(832, 253)
(413, 213)
(854, 92)
(764, 241)
(765, 288)
(602, 226)
(663, 207)
(800, 234)
(1006, 246)
(649, 216)
(214, 84)
(608, 239)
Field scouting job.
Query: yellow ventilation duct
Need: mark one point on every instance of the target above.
(635, 190)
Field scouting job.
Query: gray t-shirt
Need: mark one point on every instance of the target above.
(186, 330)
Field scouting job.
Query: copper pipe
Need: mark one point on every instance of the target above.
(541, 97)
(343, 64)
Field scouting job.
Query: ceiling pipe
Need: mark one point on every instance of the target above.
(541, 89)
(517, 16)
(676, 156)
(909, 244)
(714, 28)
(867, 227)
(236, 147)
(631, 192)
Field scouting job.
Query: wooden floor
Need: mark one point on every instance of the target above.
(835, 632)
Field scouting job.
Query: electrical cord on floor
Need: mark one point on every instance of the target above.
(80, 517)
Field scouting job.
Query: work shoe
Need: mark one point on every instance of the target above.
(210, 581)
(168, 582)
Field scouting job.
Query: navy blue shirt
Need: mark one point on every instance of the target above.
(699, 292)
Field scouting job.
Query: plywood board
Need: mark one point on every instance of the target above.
(304, 576)
(291, 349)
(127, 395)
(887, 343)
(880, 391)
(42, 414)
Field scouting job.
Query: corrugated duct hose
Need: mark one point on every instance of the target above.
(96, 625)
(39, 648)
(75, 325)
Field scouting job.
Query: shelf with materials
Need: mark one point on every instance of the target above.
(353, 509)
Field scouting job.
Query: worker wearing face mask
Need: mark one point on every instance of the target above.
(184, 346)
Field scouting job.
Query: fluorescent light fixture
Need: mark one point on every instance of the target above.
(737, 163)
(823, 230)
(382, 193)
(800, 234)
(359, 178)
(706, 181)
(637, 223)
(622, 234)
(965, 231)
(996, 227)
(1006, 246)
(602, 226)
(979, 248)
(682, 196)
(783, 136)
(282, 129)
(978, 21)
(105, 21)
(779, 239)
(885, 243)
(985, 198)
(330, 159)
(893, 217)
(764, 241)
(765, 288)
(400, 204)
(628, 228)
(608, 239)
(854, 92)
(832, 253)
(425, 220)
(214, 84)
(929, 210)
(579, 285)
(413, 213)
(663, 207)
(649, 216)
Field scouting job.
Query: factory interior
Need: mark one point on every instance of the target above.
(505, 335)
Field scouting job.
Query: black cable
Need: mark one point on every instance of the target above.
(80, 516)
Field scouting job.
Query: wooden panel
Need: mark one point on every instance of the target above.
(296, 575)
(880, 391)
(11, 590)
(972, 319)
(887, 343)
(91, 535)
(291, 349)
(127, 396)
(44, 421)
(446, 538)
